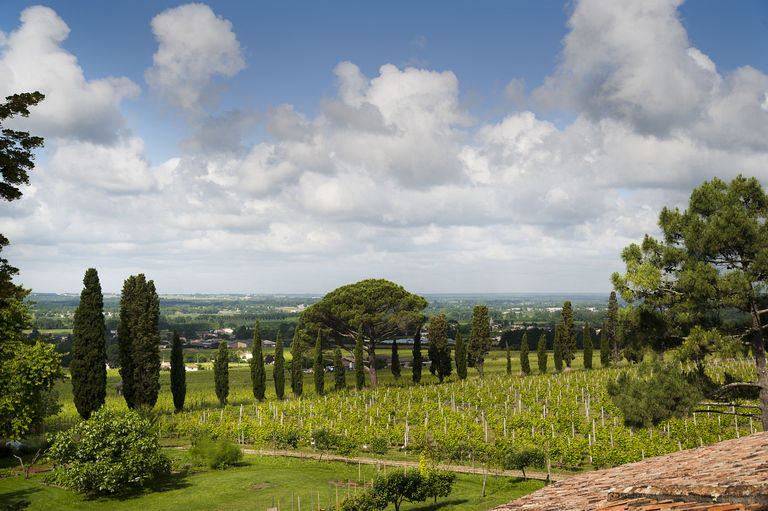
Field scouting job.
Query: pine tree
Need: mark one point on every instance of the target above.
(567, 334)
(439, 351)
(297, 369)
(417, 360)
(138, 336)
(587, 343)
(178, 373)
(395, 361)
(509, 360)
(339, 377)
(612, 328)
(221, 373)
(317, 367)
(461, 356)
(258, 373)
(359, 368)
(278, 371)
(89, 353)
(541, 352)
(525, 364)
(557, 347)
(479, 338)
(605, 347)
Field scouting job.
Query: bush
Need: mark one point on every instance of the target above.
(287, 438)
(324, 439)
(346, 446)
(379, 446)
(107, 453)
(215, 454)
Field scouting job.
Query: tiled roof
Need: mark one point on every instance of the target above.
(730, 475)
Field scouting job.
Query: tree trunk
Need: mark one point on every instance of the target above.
(372, 362)
(479, 367)
(758, 350)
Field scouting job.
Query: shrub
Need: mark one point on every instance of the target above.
(324, 439)
(346, 446)
(517, 458)
(379, 446)
(215, 454)
(287, 438)
(106, 453)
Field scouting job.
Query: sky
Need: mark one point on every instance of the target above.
(297, 146)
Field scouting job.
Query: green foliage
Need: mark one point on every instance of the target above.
(541, 353)
(557, 347)
(587, 343)
(517, 458)
(215, 454)
(88, 365)
(439, 351)
(525, 364)
(396, 369)
(605, 347)
(417, 359)
(359, 368)
(221, 373)
(258, 373)
(346, 446)
(278, 371)
(178, 373)
(16, 147)
(396, 487)
(379, 445)
(611, 327)
(107, 453)
(287, 438)
(317, 367)
(297, 372)
(339, 374)
(567, 334)
(509, 359)
(324, 439)
(461, 356)
(479, 338)
(138, 337)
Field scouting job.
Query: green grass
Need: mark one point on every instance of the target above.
(279, 479)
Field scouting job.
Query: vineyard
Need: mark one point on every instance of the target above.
(471, 421)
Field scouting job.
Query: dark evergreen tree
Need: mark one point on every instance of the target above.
(612, 328)
(297, 369)
(178, 373)
(567, 333)
(221, 373)
(359, 368)
(339, 376)
(438, 350)
(138, 337)
(417, 359)
(479, 338)
(317, 367)
(461, 356)
(541, 352)
(605, 347)
(587, 343)
(258, 373)
(278, 371)
(557, 347)
(89, 352)
(525, 364)
(395, 361)
(509, 360)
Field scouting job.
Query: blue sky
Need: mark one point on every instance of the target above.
(298, 146)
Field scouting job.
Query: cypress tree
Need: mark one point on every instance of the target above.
(567, 333)
(417, 359)
(541, 352)
(178, 373)
(557, 347)
(339, 377)
(612, 328)
(278, 372)
(138, 336)
(317, 367)
(221, 373)
(359, 368)
(605, 347)
(89, 353)
(461, 356)
(297, 369)
(395, 361)
(509, 360)
(439, 351)
(525, 364)
(258, 373)
(587, 342)
(479, 338)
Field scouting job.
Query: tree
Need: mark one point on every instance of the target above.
(221, 373)
(612, 328)
(108, 452)
(359, 368)
(339, 376)
(479, 338)
(138, 335)
(525, 364)
(439, 351)
(317, 367)
(417, 360)
(89, 351)
(541, 352)
(518, 458)
(395, 361)
(258, 373)
(587, 343)
(605, 347)
(297, 371)
(557, 347)
(377, 307)
(509, 359)
(178, 373)
(460, 356)
(567, 334)
(278, 371)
